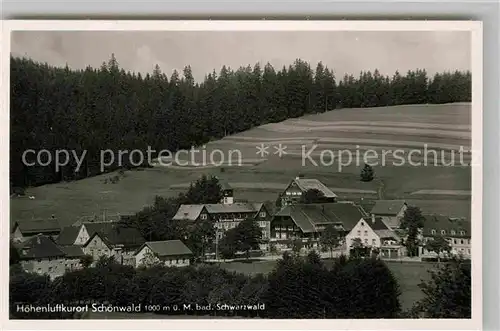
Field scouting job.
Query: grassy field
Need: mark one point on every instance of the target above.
(437, 189)
(408, 274)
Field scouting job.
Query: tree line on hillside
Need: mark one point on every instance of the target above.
(108, 108)
(298, 287)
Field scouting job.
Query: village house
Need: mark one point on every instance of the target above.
(373, 232)
(299, 186)
(308, 221)
(41, 255)
(391, 211)
(73, 254)
(226, 216)
(171, 253)
(87, 230)
(227, 193)
(457, 231)
(120, 243)
(26, 229)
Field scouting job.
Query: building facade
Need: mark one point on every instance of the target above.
(226, 216)
(119, 243)
(299, 186)
(170, 253)
(391, 211)
(307, 222)
(41, 255)
(23, 230)
(457, 231)
(374, 234)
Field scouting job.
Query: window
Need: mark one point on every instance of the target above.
(462, 233)
(50, 269)
(288, 193)
(455, 241)
(264, 234)
(433, 231)
(461, 242)
(366, 233)
(453, 232)
(468, 251)
(374, 242)
(443, 232)
(203, 216)
(362, 223)
(359, 233)
(262, 214)
(366, 241)
(299, 193)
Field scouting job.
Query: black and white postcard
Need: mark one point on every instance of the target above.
(249, 173)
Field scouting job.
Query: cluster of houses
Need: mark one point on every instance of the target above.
(46, 248)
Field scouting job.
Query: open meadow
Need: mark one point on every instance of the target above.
(434, 186)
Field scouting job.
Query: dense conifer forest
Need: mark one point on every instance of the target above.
(108, 108)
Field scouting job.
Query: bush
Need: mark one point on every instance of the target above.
(367, 173)
(19, 191)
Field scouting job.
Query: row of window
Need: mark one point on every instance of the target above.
(176, 261)
(285, 228)
(359, 233)
(452, 232)
(232, 216)
(293, 193)
(374, 242)
(220, 235)
(283, 235)
(229, 224)
(462, 250)
(462, 241)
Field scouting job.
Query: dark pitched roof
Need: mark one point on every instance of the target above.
(388, 207)
(380, 228)
(308, 216)
(68, 235)
(72, 251)
(168, 248)
(460, 226)
(311, 183)
(118, 235)
(102, 227)
(39, 247)
(38, 226)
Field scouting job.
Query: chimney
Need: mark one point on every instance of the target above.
(373, 218)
